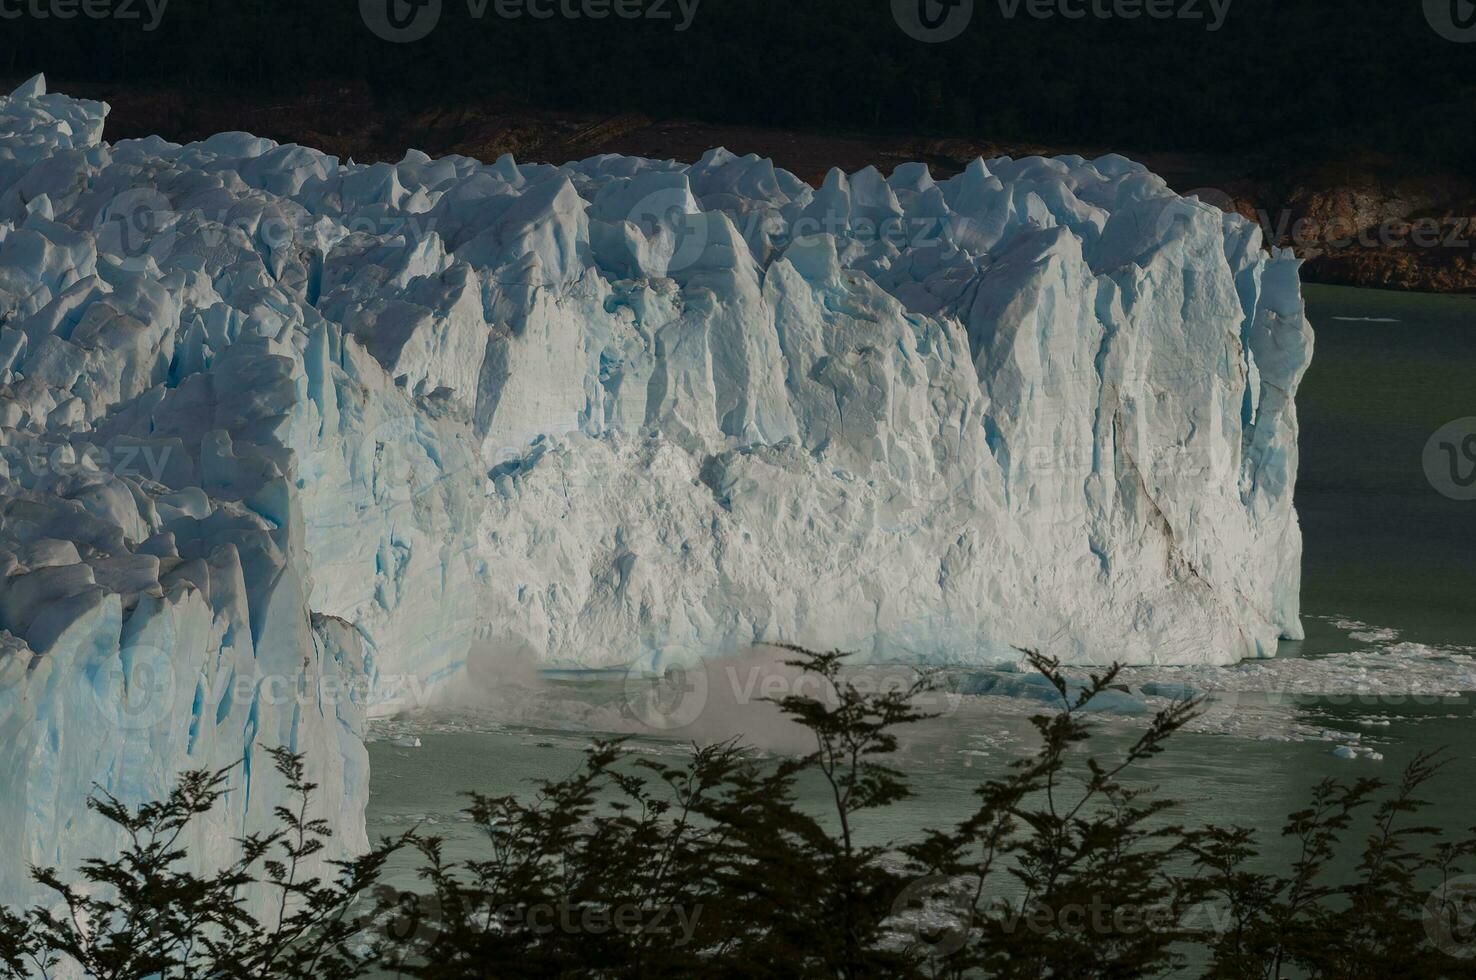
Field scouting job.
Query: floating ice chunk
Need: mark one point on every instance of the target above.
(1039, 688)
(1168, 689)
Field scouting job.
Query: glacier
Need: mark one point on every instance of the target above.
(288, 443)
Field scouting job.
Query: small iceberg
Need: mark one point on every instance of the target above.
(1037, 687)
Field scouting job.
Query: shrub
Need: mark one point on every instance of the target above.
(647, 869)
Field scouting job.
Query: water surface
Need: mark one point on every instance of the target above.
(1389, 597)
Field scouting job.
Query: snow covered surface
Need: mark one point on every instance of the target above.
(290, 441)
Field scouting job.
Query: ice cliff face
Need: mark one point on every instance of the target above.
(287, 440)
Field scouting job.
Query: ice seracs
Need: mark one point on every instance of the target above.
(288, 441)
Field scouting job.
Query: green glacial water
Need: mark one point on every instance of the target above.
(1388, 665)
(1381, 544)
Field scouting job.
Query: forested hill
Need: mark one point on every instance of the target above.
(1318, 79)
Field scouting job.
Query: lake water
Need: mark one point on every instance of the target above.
(1388, 667)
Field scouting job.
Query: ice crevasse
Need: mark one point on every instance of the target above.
(274, 427)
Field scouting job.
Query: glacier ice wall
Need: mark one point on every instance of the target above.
(287, 441)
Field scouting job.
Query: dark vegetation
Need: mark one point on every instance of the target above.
(1308, 79)
(710, 869)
